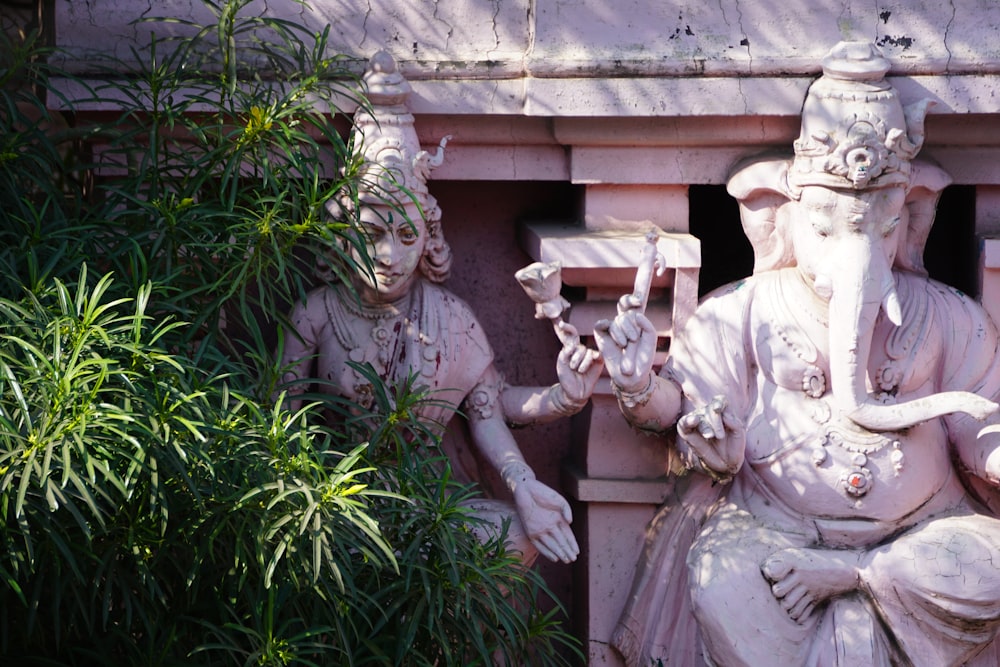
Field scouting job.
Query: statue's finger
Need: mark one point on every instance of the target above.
(547, 546)
(713, 419)
(569, 548)
(567, 333)
(704, 449)
(707, 431)
(631, 328)
(616, 334)
(628, 360)
(568, 328)
(628, 302)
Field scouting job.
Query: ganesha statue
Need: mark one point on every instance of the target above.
(392, 318)
(836, 410)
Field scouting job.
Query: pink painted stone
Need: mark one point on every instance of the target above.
(836, 411)
(405, 322)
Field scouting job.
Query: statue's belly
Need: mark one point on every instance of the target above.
(821, 465)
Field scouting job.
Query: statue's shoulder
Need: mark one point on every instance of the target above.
(444, 313)
(314, 309)
(732, 297)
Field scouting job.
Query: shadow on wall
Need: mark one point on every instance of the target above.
(727, 256)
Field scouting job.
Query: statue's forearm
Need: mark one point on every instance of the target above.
(496, 444)
(537, 405)
(654, 408)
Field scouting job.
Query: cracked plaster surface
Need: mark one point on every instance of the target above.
(595, 57)
(583, 37)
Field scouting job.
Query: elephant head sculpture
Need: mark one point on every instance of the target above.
(851, 207)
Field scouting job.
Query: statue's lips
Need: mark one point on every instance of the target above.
(388, 278)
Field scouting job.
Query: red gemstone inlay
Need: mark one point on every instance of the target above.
(856, 480)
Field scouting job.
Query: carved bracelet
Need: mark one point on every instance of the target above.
(516, 472)
(563, 404)
(634, 399)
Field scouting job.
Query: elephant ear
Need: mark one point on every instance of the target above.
(761, 188)
(926, 183)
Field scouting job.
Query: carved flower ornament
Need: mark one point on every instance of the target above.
(542, 282)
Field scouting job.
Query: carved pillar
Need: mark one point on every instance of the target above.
(616, 476)
(988, 232)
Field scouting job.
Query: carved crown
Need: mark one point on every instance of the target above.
(855, 132)
(394, 168)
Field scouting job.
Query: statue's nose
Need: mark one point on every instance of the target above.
(385, 251)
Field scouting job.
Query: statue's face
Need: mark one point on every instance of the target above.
(395, 246)
(837, 232)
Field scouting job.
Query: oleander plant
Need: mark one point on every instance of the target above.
(161, 504)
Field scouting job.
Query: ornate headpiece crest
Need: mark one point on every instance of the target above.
(855, 132)
(394, 168)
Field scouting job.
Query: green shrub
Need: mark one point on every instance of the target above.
(160, 506)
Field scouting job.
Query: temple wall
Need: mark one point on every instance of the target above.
(602, 116)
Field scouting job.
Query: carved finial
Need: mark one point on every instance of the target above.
(855, 61)
(386, 86)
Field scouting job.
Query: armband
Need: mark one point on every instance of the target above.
(482, 400)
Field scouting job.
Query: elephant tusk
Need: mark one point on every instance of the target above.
(890, 304)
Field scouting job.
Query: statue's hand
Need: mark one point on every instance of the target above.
(627, 344)
(546, 518)
(716, 438)
(577, 367)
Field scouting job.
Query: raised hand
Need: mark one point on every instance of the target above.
(627, 343)
(577, 367)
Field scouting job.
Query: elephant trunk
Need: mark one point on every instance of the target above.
(863, 284)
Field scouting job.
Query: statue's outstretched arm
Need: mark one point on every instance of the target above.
(578, 369)
(544, 514)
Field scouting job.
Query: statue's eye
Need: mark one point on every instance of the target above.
(372, 235)
(822, 230)
(408, 236)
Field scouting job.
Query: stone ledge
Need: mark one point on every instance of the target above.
(576, 247)
(579, 487)
(659, 97)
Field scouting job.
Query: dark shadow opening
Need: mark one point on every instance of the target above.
(714, 218)
(950, 255)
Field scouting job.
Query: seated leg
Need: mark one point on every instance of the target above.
(937, 587)
(739, 619)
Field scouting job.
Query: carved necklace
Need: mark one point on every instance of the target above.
(813, 377)
(384, 318)
(393, 325)
(856, 480)
(385, 324)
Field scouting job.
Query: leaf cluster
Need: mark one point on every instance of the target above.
(161, 505)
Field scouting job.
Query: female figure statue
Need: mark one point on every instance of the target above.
(401, 321)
